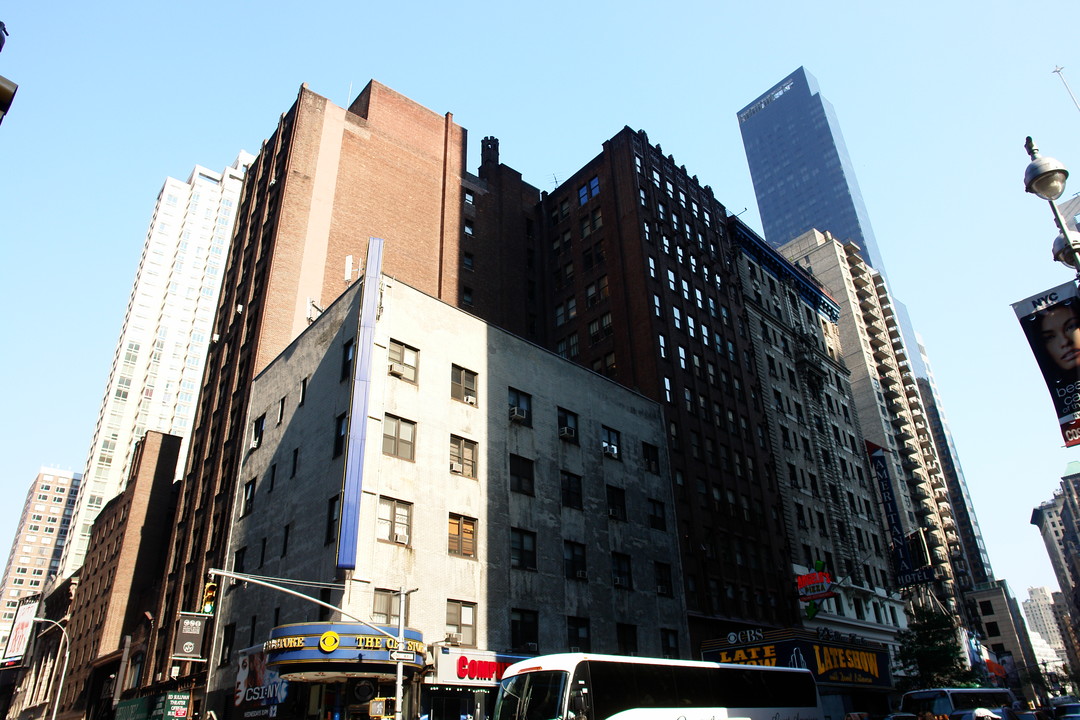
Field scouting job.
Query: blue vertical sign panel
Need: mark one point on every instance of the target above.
(356, 441)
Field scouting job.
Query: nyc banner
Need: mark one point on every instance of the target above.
(1051, 322)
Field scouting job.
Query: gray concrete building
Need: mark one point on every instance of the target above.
(520, 501)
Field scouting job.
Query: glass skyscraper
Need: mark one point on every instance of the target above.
(802, 175)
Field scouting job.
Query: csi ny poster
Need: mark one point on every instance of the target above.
(1051, 322)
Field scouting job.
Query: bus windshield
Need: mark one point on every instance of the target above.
(532, 696)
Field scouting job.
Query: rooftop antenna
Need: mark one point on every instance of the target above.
(1061, 75)
(554, 180)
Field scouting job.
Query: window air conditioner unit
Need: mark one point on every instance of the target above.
(453, 638)
(620, 581)
(470, 399)
(397, 369)
(531, 647)
(611, 451)
(663, 590)
(582, 575)
(519, 415)
(575, 648)
(401, 538)
(254, 443)
(613, 512)
(457, 468)
(567, 432)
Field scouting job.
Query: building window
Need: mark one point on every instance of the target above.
(616, 503)
(295, 462)
(986, 607)
(626, 638)
(333, 517)
(662, 571)
(609, 440)
(568, 425)
(394, 522)
(470, 230)
(469, 197)
(386, 608)
(669, 643)
(399, 437)
(571, 490)
(574, 561)
(257, 429)
(992, 630)
(461, 622)
(249, 498)
(348, 355)
(577, 634)
(657, 516)
(463, 455)
(651, 456)
(596, 291)
(341, 431)
(404, 361)
(520, 406)
(463, 385)
(622, 576)
(521, 475)
(228, 635)
(524, 630)
(461, 538)
(522, 549)
(239, 557)
(303, 391)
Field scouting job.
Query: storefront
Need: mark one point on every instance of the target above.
(329, 671)
(463, 683)
(852, 672)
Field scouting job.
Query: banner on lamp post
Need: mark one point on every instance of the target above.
(1051, 323)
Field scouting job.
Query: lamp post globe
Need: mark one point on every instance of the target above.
(1045, 177)
(1067, 249)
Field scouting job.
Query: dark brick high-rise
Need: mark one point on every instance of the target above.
(637, 268)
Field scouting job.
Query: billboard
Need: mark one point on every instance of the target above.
(21, 629)
(1051, 323)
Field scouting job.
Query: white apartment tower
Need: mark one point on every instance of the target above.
(158, 364)
(891, 415)
(43, 528)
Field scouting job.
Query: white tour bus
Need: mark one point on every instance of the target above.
(582, 686)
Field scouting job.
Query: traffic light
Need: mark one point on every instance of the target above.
(209, 597)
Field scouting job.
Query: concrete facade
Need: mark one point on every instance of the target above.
(525, 593)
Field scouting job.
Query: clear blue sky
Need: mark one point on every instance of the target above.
(935, 101)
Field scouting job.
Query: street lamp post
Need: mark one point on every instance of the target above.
(1045, 177)
(67, 656)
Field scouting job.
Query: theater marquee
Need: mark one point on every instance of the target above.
(833, 658)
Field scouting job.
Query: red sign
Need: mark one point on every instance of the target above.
(815, 586)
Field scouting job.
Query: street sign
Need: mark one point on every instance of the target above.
(402, 656)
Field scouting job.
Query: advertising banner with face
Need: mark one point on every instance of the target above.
(1051, 322)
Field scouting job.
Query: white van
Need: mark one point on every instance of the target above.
(947, 701)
